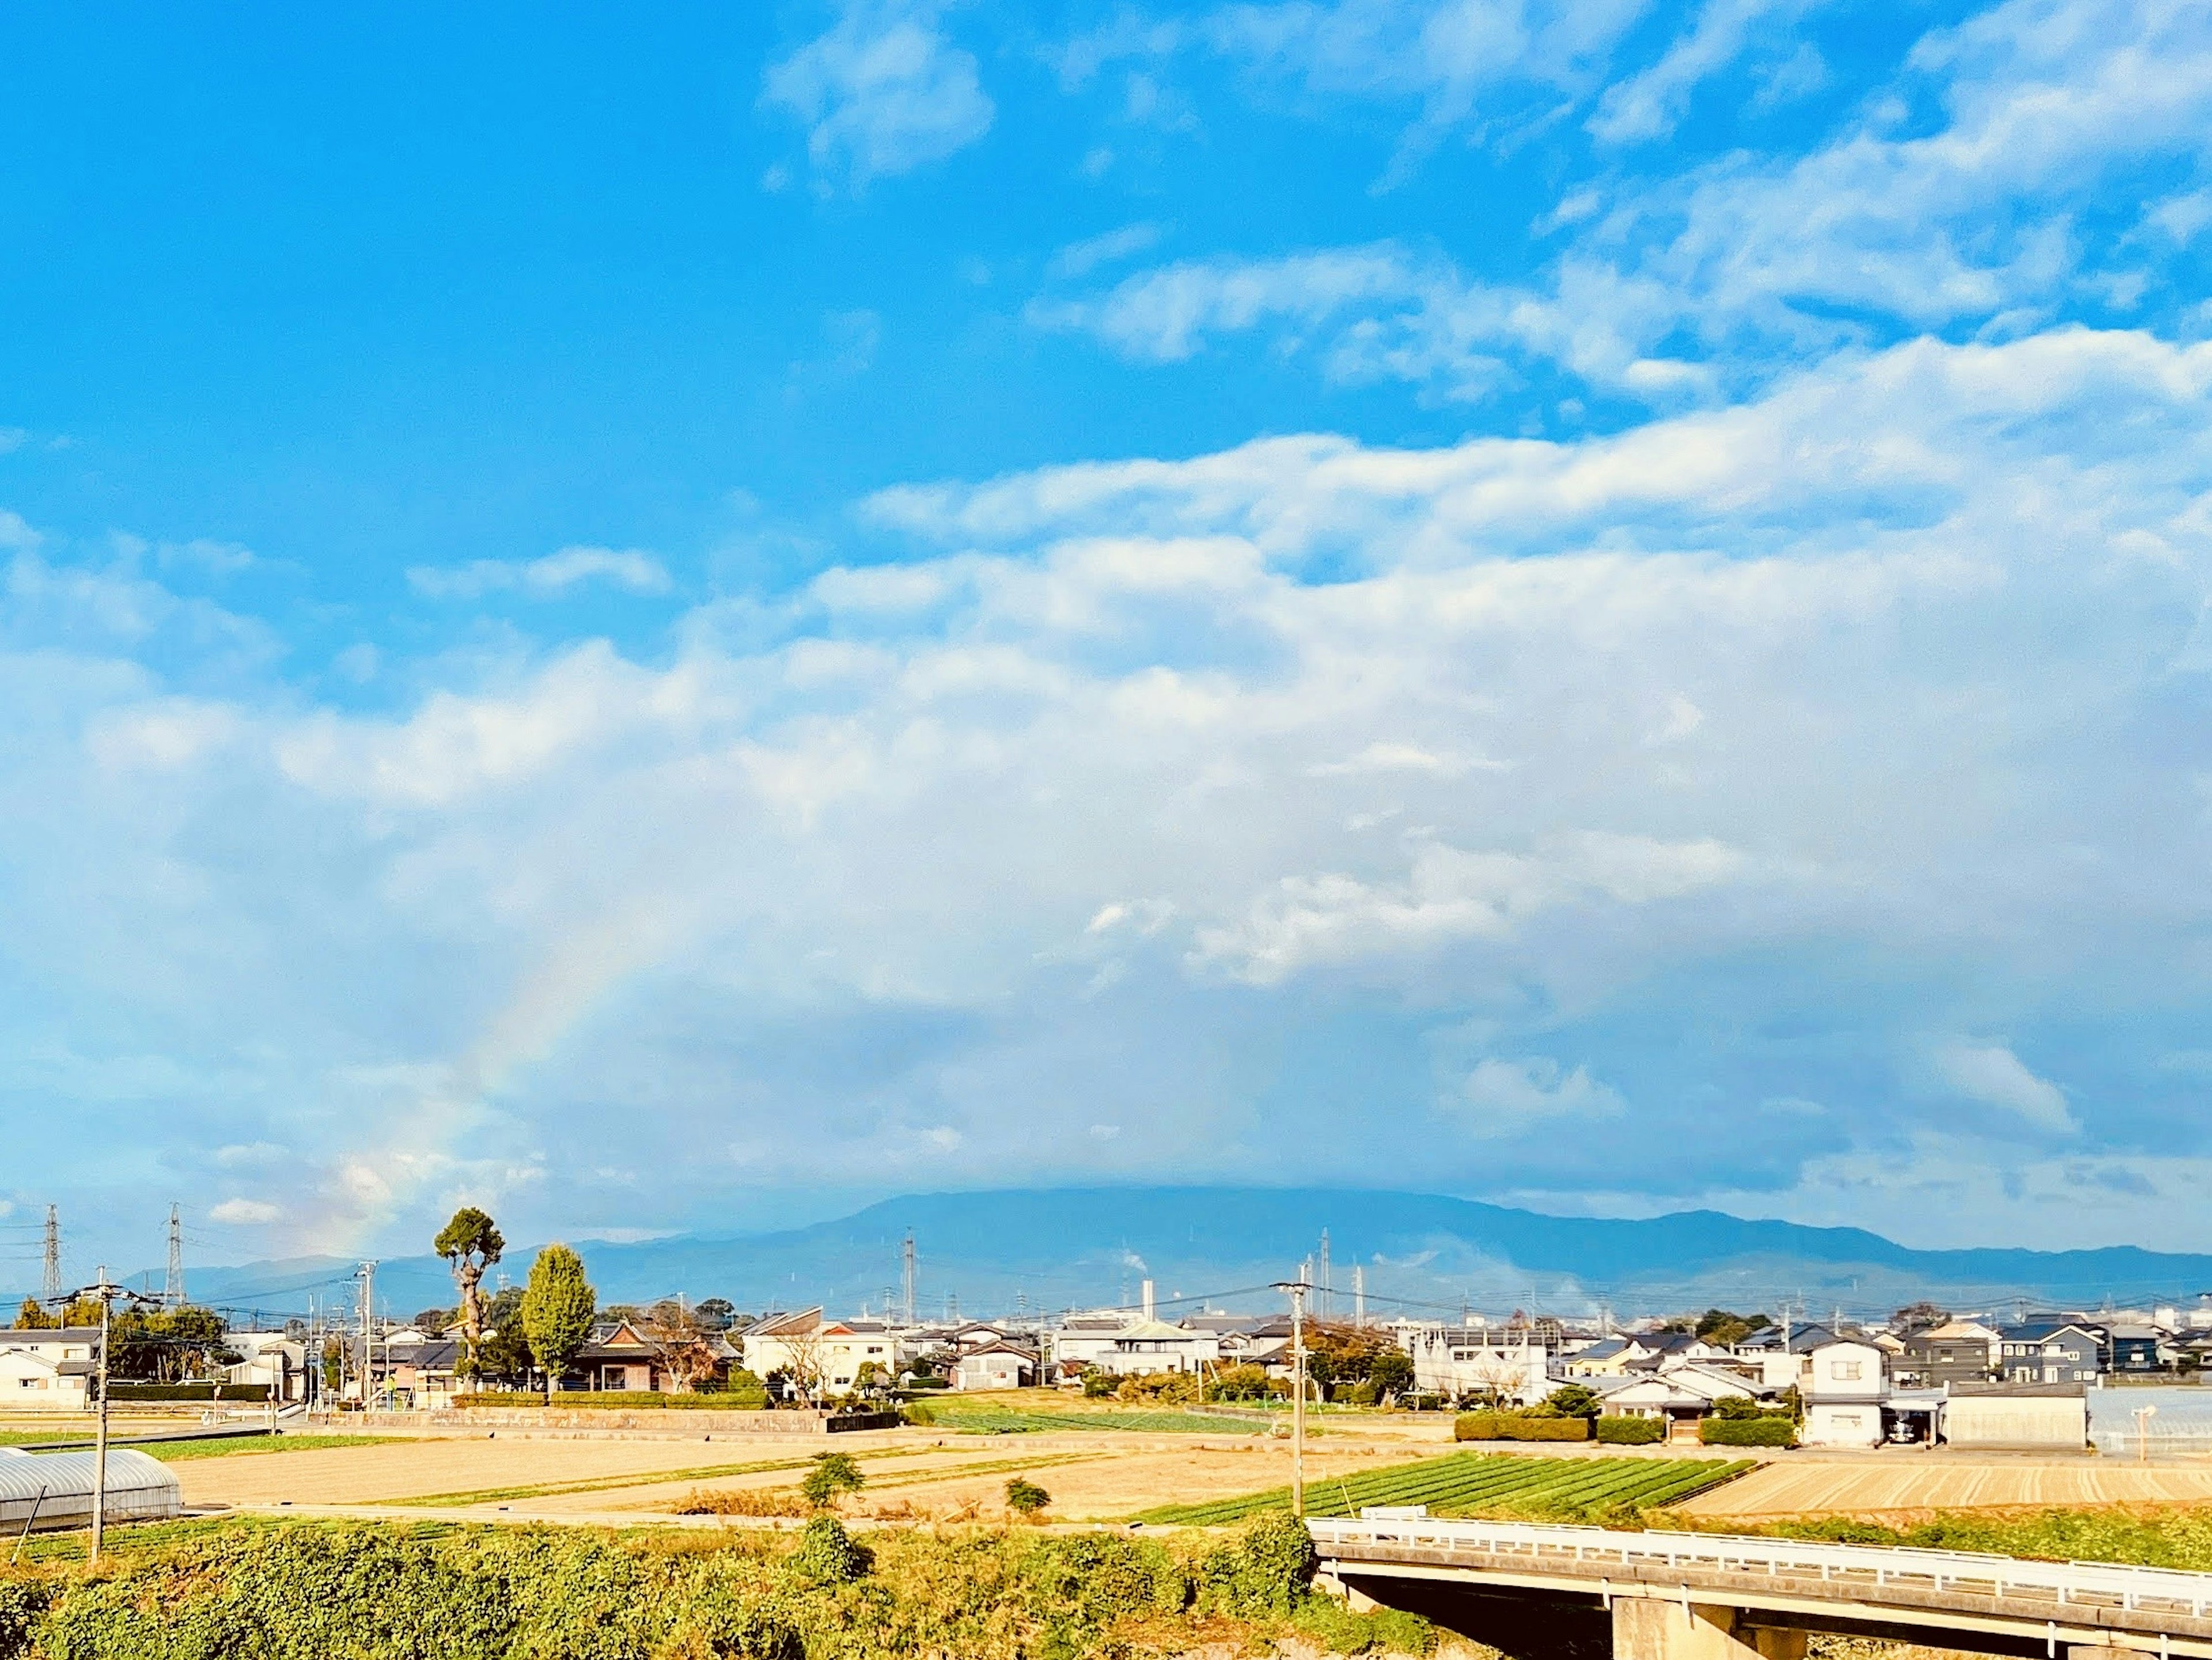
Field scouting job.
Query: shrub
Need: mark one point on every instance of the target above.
(833, 1473)
(1748, 1433)
(1265, 1571)
(1025, 1497)
(1631, 1431)
(1516, 1426)
(829, 1556)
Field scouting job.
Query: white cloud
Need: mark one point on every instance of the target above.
(1108, 247)
(244, 1212)
(882, 92)
(547, 578)
(919, 852)
(1508, 1097)
(1648, 104)
(1993, 1074)
(1679, 285)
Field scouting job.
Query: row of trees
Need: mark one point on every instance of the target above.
(146, 1346)
(538, 1328)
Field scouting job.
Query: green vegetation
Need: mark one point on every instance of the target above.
(557, 1306)
(1631, 1432)
(1483, 1484)
(305, 1591)
(2175, 1538)
(1769, 1430)
(1025, 1497)
(980, 1418)
(1518, 1426)
(834, 1473)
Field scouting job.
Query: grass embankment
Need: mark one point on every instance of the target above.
(989, 1417)
(278, 1590)
(1486, 1484)
(2157, 1537)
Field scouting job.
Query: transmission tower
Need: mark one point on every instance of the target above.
(173, 1293)
(50, 1288)
(906, 1264)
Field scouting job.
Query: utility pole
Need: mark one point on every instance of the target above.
(106, 1291)
(368, 1274)
(51, 1290)
(1297, 1289)
(906, 1266)
(173, 1292)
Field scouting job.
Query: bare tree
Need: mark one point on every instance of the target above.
(687, 1351)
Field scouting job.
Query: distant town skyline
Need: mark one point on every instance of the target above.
(683, 623)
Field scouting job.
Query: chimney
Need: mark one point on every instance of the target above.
(1148, 1299)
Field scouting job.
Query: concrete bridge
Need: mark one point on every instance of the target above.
(1560, 1593)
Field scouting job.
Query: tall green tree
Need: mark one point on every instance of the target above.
(557, 1306)
(470, 1243)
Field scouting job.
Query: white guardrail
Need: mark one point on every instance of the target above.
(1589, 1553)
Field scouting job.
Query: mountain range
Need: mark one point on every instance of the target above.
(1424, 1255)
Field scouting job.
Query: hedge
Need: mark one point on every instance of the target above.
(1748, 1433)
(1511, 1426)
(187, 1391)
(1631, 1431)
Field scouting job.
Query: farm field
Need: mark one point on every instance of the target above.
(1884, 1489)
(1470, 1483)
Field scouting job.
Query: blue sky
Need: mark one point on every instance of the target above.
(682, 623)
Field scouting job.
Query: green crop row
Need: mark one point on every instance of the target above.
(1475, 1484)
(1012, 1421)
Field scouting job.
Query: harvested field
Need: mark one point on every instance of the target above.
(1887, 1490)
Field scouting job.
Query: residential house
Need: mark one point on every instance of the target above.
(273, 1359)
(810, 1351)
(1779, 1355)
(2049, 1352)
(1000, 1367)
(1462, 1361)
(1149, 1346)
(1082, 1340)
(1844, 1389)
(2135, 1349)
(1956, 1352)
(1682, 1397)
(49, 1369)
(416, 1371)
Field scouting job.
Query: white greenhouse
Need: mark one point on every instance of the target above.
(54, 1489)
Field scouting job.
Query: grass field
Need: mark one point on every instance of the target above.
(1476, 1484)
(171, 1452)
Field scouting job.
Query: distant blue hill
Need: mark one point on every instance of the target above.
(1420, 1254)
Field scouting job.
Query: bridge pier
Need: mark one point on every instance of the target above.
(1646, 1628)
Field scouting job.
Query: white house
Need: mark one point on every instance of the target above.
(1456, 1361)
(1149, 1346)
(1001, 1366)
(828, 1354)
(1845, 1385)
(1682, 1397)
(47, 1370)
(272, 1359)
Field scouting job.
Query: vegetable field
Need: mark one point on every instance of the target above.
(1482, 1484)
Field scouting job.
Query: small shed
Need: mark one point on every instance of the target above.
(54, 1489)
